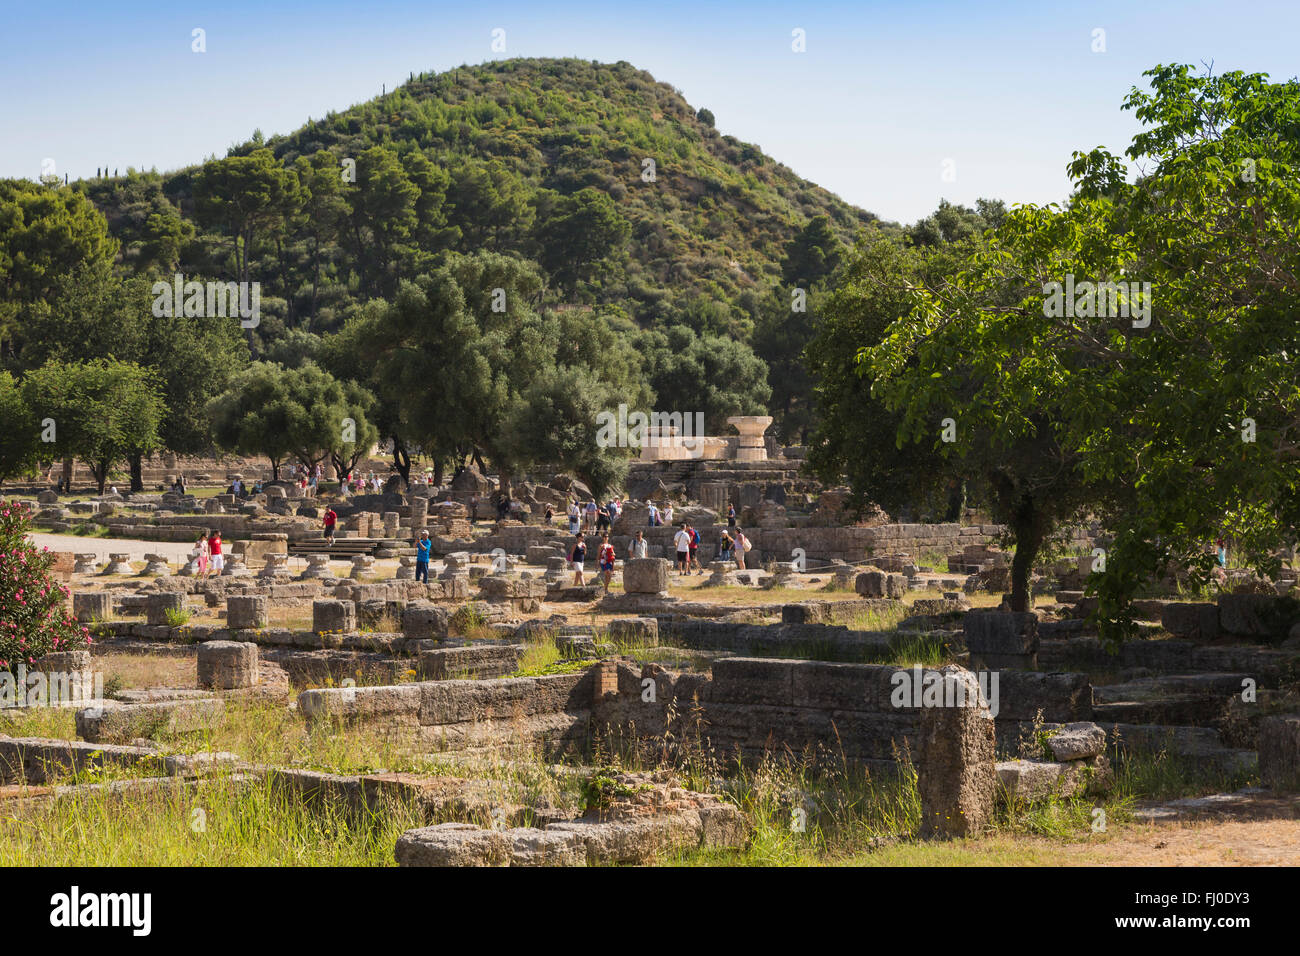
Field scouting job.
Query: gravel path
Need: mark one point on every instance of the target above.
(175, 550)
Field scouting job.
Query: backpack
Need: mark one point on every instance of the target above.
(695, 536)
(748, 544)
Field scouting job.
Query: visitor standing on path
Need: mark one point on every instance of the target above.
(725, 544)
(422, 549)
(731, 516)
(573, 517)
(331, 519)
(695, 547)
(638, 547)
(682, 540)
(205, 553)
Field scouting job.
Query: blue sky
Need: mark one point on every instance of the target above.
(884, 93)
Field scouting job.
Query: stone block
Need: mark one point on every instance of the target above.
(1279, 751)
(1002, 639)
(244, 612)
(955, 776)
(646, 575)
(225, 665)
(1190, 620)
(424, 621)
(333, 616)
(880, 584)
(1258, 615)
(158, 606)
(1077, 740)
(90, 606)
(113, 722)
(634, 629)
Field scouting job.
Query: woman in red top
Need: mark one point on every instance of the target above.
(218, 560)
(606, 556)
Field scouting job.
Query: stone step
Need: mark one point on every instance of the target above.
(1203, 744)
(1178, 699)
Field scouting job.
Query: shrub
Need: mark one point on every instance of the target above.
(33, 618)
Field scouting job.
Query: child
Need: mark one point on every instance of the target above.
(204, 554)
(725, 544)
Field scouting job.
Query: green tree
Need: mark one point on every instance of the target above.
(103, 411)
(245, 196)
(45, 233)
(1208, 416)
(94, 313)
(812, 255)
(553, 425)
(303, 413)
(381, 219)
(487, 202)
(579, 231)
(19, 444)
(856, 438)
(717, 376)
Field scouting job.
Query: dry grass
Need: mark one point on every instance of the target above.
(146, 670)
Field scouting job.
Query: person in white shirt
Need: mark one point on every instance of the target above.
(573, 517)
(638, 548)
(682, 540)
(652, 516)
(668, 514)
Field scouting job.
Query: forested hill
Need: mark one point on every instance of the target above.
(543, 158)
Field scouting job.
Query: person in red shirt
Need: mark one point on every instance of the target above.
(606, 556)
(331, 518)
(218, 559)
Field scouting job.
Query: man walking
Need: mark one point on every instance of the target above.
(331, 519)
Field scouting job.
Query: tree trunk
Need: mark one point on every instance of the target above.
(402, 462)
(1029, 540)
(100, 474)
(956, 501)
(437, 471)
(137, 471)
(275, 470)
(315, 277)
